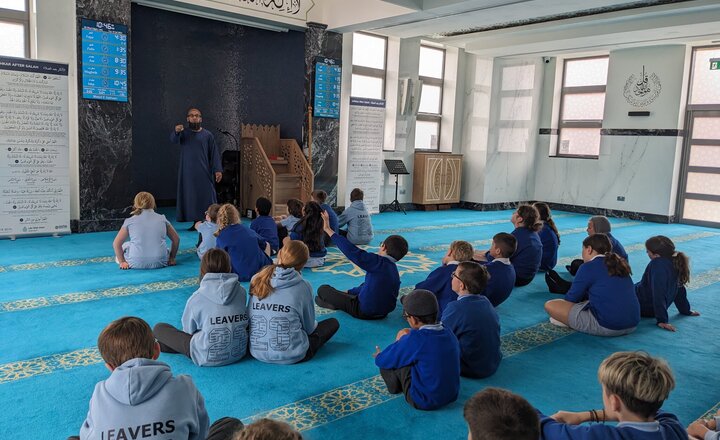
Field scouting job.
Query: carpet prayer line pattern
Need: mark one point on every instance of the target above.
(451, 226)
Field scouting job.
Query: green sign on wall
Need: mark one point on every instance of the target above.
(714, 63)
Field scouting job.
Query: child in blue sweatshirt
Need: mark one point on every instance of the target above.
(264, 225)
(601, 299)
(377, 296)
(217, 309)
(309, 230)
(495, 413)
(142, 398)
(424, 361)
(248, 251)
(664, 282)
(549, 237)
(599, 224)
(705, 429)
(356, 217)
(206, 230)
(283, 329)
(473, 320)
(634, 387)
(439, 282)
(285, 223)
(500, 269)
(320, 197)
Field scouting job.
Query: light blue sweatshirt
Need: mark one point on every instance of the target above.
(280, 323)
(147, 248)
(357, 219)
(216, 316)
(207, 231)
(142, 399)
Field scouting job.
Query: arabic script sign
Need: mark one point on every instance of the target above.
(296, 9)
(642, 89)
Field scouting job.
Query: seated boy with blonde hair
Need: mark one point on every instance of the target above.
(439, 281)
(634, 387)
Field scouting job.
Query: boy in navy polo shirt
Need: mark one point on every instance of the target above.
(377, 296)
(501, 271)
(264, 225)
(424, 361)
(473, 320)
(439, 281)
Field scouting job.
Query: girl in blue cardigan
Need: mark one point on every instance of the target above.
(549, 236)
(664, 282)
(601, 300)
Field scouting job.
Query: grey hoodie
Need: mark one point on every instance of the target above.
(142, 400)
(360, 230)
(216, 316)
(280, 323)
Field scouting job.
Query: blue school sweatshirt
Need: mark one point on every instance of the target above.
(526, 259)
(473, 320)
(265, 227)
(658, 288)
(332, 216)
(208, 241)
(297, 234)
(550, 244)
(378, 294)
(357, 219)
(142, 399)
(501, 282)
(617, 247)
(434, 355)
(280, 323)
(245, 248)
(611, 299)
(665, 427)
(439, 282)
(217, 311)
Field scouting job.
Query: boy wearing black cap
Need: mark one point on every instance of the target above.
(424, 361)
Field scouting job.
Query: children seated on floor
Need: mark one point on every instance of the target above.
(424, 361)
(634, 387)
(356, 217)
(497, 414)
(146, 231)
(705, 429)
(664, 282)
(599, 224)
(526, 259)
(500, 270)
(280, 297)
(601, 300)
(320, 196)
(377, 295)
(473, 320)
(142, 395)
(549, 237)
(439, 282)
(309, 230)
(218, 307)
(268, 429)
(264, 225)
(285, 223)
(248, 251)
(206, 230)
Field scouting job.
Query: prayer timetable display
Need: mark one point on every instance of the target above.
(104, 61)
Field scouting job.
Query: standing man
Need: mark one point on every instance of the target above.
(200, 168)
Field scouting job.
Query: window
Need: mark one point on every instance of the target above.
(368, 70)
(582, 106)
(14, 28)
(430, 72)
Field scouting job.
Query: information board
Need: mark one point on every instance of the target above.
(328, 73)
(104, 60)
(34, 151)
(365, 143)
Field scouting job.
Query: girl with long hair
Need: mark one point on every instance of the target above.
(549, 237)
(309, 230)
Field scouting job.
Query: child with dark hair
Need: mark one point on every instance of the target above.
(473, 320)
(664, 282)
(356, 217)
(500, 269)
(268, 429)
(424, 361)
(264, 225)
(218, 307)
(377, 296)
(285, 223)
(601, 299)
(206, 230)
(320, 197)
(248, 251)
(634, 387)
(439, 282)
(497, 414)
(599, 224)
(549, 237)
(309, 230)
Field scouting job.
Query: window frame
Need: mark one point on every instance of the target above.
(370, 71)
(585, 123)
(19, 17)
(437, 82)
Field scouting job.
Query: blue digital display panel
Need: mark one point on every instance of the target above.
(328, 73)
(104, 60)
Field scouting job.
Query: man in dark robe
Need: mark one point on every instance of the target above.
(200, 168)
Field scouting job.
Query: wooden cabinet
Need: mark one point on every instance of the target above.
(436, 178)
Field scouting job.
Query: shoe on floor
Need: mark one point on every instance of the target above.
(554, 321)
(324, 304)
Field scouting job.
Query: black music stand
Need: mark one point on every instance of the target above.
(395, 167)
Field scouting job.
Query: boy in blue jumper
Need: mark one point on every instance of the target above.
(500, 269)
(320, 197)
(634, 387)
(474, 322)
(141, 396)
(495, 413)
(439, 281)
(377, 296)
(424, 361)
(356, 217)
(264, 225)
(599, 224)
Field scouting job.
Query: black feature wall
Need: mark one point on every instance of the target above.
(234, 74)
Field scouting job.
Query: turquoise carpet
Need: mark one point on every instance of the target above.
(58, 294)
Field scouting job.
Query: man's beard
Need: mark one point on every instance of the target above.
(194, 126)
